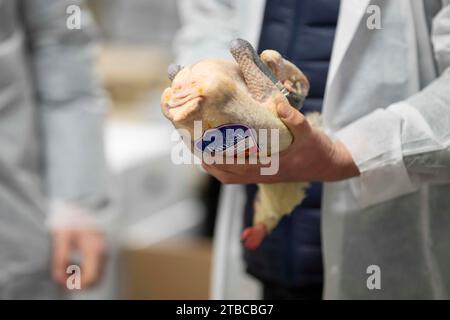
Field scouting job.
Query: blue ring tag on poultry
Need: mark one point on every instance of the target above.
(229, 139)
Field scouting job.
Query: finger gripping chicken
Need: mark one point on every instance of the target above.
(220, 92)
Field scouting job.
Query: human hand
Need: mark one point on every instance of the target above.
(88, 244)
(312, 156)
(74, 232)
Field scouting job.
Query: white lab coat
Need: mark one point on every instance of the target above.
(388, 101)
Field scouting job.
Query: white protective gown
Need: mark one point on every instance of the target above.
(388, 101)
(51, 110)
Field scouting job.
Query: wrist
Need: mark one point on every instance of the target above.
(345, 167)
(69, 215)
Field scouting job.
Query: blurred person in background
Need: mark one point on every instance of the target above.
(51, 153)
(289, 260)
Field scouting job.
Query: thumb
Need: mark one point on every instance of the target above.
(293, 119)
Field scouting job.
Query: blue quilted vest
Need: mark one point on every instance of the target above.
(303, 32)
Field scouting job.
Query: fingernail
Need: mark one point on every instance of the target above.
(284, 110)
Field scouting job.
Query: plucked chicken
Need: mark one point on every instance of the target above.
(241, 94)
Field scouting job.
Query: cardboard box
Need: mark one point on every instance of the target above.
(174, 269)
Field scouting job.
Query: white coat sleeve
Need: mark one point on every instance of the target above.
(207, 27)
(70, 102)
(407, 144)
